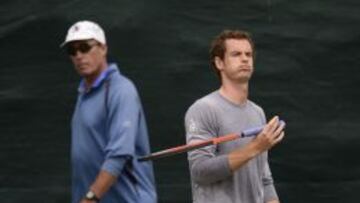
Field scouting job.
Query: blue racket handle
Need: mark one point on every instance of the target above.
(255, 131)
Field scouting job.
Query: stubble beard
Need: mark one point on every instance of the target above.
(241, 78)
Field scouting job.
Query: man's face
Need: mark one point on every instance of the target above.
(88, 57)
(237, 64)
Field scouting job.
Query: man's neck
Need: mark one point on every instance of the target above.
(235, 92)
(89, 80)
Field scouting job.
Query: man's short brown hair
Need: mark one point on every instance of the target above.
(218, 48)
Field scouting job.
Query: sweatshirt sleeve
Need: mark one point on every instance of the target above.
(205, 166)
(122, 125)
(269, 188)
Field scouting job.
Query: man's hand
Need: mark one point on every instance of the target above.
(271, 135)
(87, 201)
(102, 184)
(273, 201)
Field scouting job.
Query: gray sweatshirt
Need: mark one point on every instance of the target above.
(211, 178)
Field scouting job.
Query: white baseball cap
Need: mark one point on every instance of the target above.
(84, 30)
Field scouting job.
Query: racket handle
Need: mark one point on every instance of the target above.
(255, 131)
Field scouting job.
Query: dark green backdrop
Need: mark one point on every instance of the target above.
(307, 71)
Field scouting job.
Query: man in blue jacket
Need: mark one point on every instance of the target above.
(108, 126)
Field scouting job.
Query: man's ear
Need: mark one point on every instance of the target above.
(219, 63)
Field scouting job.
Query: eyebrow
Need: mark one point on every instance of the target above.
(240, 52)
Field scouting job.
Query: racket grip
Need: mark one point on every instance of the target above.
(255, 131)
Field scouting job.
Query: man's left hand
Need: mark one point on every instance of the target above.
(88, 201)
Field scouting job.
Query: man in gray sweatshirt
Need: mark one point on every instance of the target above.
(236, 171)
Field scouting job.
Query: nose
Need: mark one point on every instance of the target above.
(244, 58)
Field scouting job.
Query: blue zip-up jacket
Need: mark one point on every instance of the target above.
(108, 133)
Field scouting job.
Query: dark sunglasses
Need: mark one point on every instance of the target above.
(83, 47)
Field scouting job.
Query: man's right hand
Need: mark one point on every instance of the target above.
(272, 134)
